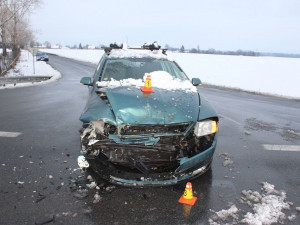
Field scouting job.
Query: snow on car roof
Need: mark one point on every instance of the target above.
(138, 53)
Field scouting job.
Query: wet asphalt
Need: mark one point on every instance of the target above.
(44, 158)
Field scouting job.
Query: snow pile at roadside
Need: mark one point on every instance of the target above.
(24, 67)
(159, 79)
(225, 214)
(267, 208)
(268, 75)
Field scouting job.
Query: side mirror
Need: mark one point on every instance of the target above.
(196, 82)
(86, 81)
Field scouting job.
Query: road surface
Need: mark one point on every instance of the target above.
(39, 142)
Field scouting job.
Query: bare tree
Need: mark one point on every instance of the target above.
(47, 44)
(14, 20)
(5, 17)
(24, 33)
(19, 8)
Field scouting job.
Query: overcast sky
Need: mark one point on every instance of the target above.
(258, 25)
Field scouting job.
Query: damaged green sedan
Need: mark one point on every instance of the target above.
(145, 124)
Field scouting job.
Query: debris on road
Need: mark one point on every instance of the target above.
(42, 197)
(224, 214)
(292, 217)
(110, 188)
(290, 134)
(69, 214)
(97, 198)
(258, 125)
(92, 185)
(247, 132)
(87, 210)
(81, 194)
(227, 160)
(46, 221)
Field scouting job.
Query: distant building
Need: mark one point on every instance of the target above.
(55, 46)
(91, 47)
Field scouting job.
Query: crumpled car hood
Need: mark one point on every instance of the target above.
(131, 106)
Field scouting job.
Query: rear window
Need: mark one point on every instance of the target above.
(40, 53)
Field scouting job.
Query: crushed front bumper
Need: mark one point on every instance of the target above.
(188, 169)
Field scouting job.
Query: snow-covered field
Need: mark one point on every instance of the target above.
(268, 75)
(24, 67)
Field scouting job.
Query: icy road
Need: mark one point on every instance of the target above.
(256, 164)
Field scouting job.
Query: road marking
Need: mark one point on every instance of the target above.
(9, 134)
(289, 148)
(232, 120)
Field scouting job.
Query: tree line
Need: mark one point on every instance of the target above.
(213, 51)
(15, 31)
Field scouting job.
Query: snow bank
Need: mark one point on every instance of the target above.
(159, 79)
(269, 75)
(24, 67)
(224, 214)
(267, 208)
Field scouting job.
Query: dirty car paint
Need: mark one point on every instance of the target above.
(97, 109)
(161, 107)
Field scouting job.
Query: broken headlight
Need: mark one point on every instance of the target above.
(205, 127)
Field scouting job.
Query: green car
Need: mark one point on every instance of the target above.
(145, 124)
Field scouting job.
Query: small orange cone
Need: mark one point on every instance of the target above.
(148, 87)
(187, 197)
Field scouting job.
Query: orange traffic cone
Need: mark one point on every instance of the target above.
(187, 197)
(148, 87)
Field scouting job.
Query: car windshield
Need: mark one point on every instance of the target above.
(119, 69)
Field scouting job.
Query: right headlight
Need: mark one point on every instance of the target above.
(205, 127)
